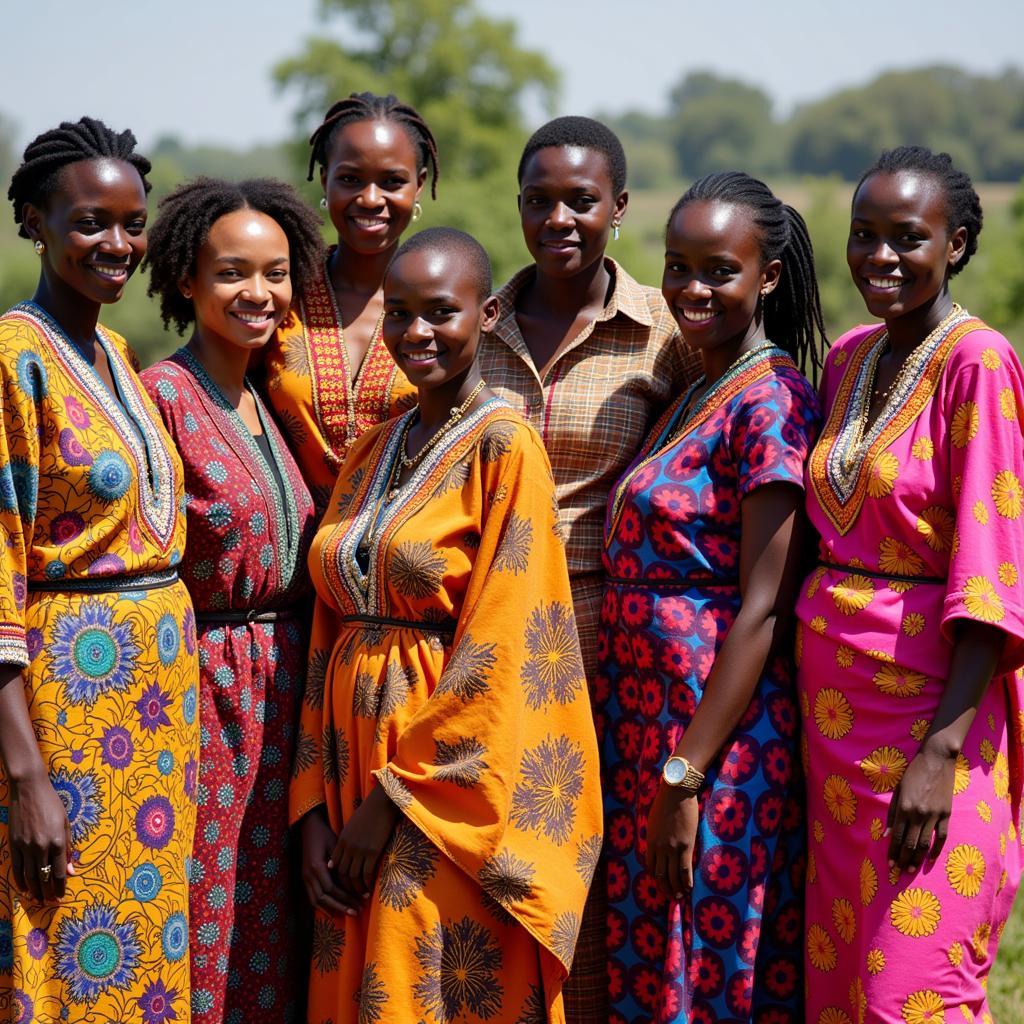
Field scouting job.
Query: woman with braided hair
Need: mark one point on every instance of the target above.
(100, 737)
(224, 259)
(703, 827)
(328, 376)
(913, 621)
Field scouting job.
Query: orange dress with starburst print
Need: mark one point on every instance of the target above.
(444, 667)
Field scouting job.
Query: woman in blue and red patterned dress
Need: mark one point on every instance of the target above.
(225, 257)
(698, 717)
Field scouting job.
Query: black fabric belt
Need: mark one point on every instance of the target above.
(686, 583)
(106, 584)
(419, 624)
(857, 571)
(254, 615)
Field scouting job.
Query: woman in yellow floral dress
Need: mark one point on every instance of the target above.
(329, 377)
(451, 742)
(912, 626)
(97, 637)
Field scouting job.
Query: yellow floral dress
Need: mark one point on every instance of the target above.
(444, 666)
(921, 520)
(92, 526)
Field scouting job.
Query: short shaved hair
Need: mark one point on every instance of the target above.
(471, 255)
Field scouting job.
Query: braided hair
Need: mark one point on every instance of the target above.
(367, 106)
(585, 133)
(792, 310)
(183, 224)
(963, 206)
(48, 154)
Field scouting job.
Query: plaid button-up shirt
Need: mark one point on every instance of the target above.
(593, 408)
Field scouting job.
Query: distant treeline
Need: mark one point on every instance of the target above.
(713, 122)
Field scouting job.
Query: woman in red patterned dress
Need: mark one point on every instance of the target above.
(226, 257)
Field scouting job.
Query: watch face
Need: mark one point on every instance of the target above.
(675, 771)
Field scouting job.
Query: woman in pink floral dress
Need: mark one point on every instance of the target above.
(912, 624)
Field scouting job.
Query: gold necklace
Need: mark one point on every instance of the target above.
(457, 412)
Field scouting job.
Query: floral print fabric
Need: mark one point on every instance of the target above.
(91, 492)
(921, 528)
(246, 550)
(444, 666)
(731, 950)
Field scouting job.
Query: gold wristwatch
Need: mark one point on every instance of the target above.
(680, 774)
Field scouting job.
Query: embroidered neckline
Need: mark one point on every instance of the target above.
(364, 588)
(341, 403)
(840, 463)
(138, 428)
(667, 433)
(286, 514)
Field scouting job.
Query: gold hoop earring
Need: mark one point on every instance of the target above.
(39, 246)
(417, 211)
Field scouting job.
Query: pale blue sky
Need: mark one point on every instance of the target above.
(200, 69)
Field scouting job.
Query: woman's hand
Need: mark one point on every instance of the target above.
(362, 841)
(322, 889)
(919, 809)
(40, 839)
(671, 839)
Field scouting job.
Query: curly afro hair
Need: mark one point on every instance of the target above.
(183, 224)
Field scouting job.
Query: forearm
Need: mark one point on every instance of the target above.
(976, 653)
(728, 691)
(19, 749)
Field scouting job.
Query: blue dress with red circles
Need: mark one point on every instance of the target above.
(732, 950)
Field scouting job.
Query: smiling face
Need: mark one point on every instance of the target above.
(900, 248)
(371, 183)
(566, 205)
(94, 228)
(433, 316)
(714, 274)
(241, 288)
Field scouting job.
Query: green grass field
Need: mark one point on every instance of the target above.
(1006, 983)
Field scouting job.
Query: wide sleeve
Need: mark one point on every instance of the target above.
(772, 432)
(316, 747)
(985, 411)
(23, 387)
(499, 768)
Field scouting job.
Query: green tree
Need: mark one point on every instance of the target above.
(721, 124)
(466, 75)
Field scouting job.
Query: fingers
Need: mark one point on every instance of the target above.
(685, 872)
(674, 884)
(941, 830)
(18, 868)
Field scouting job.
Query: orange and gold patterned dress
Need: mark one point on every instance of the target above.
(92, 526)
(309, 385)
(444, 666)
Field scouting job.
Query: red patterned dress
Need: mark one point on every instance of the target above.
(244, 565)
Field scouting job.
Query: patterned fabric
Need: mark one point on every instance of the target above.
(91, 492)
(593, 408)
(448, 671)
(246, 553)
(731, 951)
(920, 531)
(309, 386)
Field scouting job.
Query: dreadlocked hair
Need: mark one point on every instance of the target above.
(183, 224)
(48, 154)
(367, 106)
(792, 311)
(963, 206)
